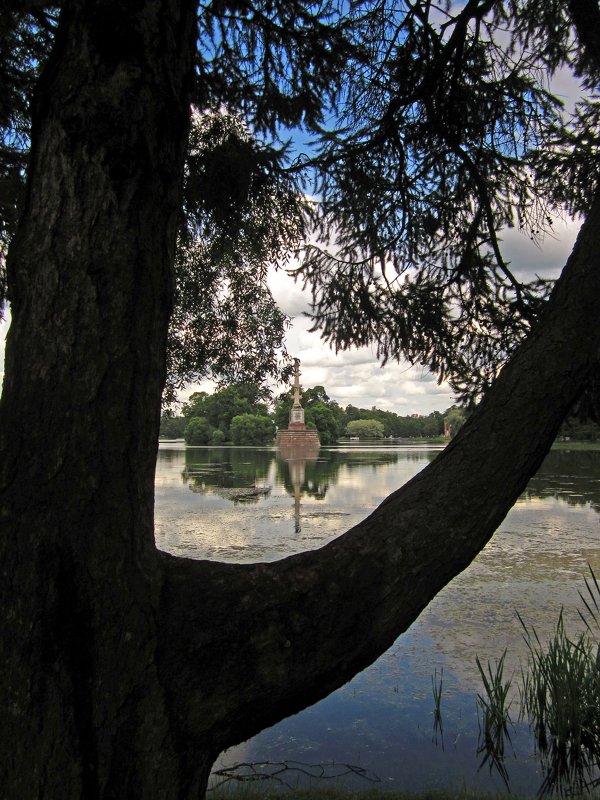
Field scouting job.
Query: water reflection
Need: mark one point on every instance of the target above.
(383, 718)
(339, 488)
(571, 476)
(203, 496)
(217, 468)
(232, 472)
(294, 469)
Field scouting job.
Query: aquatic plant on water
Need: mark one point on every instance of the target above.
(437, 687)
(493, 707)
(559, 696)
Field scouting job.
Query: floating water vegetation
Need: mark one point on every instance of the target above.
(559, 695)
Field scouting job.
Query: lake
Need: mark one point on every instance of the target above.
(381, 723)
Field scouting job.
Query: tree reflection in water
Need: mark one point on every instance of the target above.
(215, 468)
(211, 469)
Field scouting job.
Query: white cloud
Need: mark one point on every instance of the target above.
(355, 377)
(546, 258)
(289, 295)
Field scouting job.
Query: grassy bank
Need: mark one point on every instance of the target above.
(576, 445)
(249, 792)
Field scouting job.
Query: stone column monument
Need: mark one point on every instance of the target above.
(297, 441)
(296, 412)
(297, 446)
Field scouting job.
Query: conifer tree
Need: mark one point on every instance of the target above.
(125, 671)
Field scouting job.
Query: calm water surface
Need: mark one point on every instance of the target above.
(382, 720)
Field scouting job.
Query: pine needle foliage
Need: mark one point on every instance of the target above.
(446, 135)
(432, 129)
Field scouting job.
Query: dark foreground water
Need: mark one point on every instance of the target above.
(382, 721)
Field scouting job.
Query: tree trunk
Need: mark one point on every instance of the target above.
(90, 275)
(124, 672)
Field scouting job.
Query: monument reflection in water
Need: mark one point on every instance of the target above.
(297, 445)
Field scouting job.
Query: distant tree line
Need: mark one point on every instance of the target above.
(573, 428)
(239, 414)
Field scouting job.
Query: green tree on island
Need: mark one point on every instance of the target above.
(410, 427)
(325, 419)
(172, 426)
(222, 406)
(125, 671)
(252, 429)
(454, 419)
(365, 429)
(198, 431)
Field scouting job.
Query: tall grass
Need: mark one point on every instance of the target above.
(559, 695)
(437, 687)
(494, 707)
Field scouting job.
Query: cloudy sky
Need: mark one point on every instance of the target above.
(355, 376)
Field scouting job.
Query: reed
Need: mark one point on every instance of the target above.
(493, 706)
(437, 687)
(559, 695)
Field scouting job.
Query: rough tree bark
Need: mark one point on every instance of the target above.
(89, 278)
(124, 671)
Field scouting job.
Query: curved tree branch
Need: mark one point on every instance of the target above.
(246, 645)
